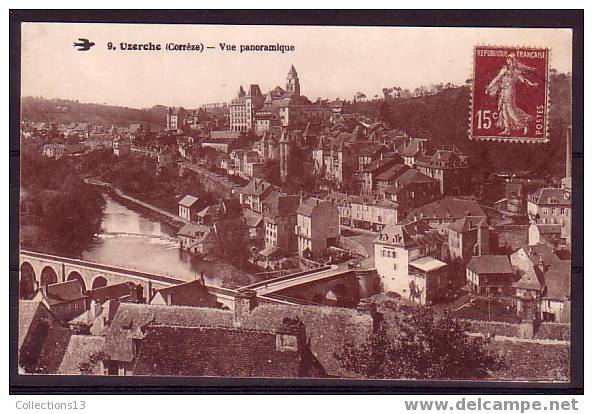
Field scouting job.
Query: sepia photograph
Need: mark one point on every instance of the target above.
(295, 202)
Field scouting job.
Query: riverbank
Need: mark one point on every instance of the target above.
(146, 208)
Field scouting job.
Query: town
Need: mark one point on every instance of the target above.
(342, 221)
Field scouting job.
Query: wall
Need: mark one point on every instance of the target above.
(546, 330)
(511, 237)
(555, 331)
(393, 280)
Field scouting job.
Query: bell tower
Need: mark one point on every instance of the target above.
(293, 85)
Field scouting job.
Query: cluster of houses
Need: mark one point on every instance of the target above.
(182, 331)
(429, 240)
(60, 140)
(279, 225)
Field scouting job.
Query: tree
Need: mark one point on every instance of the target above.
(420, 345)
(88, 367)
(65, 211)
(384, 113)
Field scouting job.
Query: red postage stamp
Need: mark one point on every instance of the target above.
(510, 94)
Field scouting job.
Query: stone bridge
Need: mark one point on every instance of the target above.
(326, 285)
(38, 269)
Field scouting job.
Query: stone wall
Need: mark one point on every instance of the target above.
(554, 331)
(511, 236)
(545, 330)
(496, 328)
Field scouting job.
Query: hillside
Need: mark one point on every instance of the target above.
(65, 111)
(444, 117)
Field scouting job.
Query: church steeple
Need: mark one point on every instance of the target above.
(293, 85)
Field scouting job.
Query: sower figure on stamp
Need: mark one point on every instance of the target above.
(510, 117)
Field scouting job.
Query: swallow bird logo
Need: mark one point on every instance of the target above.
(83, 44)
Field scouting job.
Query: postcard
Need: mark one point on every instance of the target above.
(267, 201)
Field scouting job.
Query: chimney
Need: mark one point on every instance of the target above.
(543, 266)
(483, 239)
(245, 302)
(95, 309)
(291, 335)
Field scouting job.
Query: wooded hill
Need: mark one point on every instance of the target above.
(64, 111)
(444, 118)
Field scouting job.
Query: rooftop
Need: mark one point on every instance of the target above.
(427, 264)
(214, 351)
(490, 264)
(188, 201)
(448, 207)
(551, 196)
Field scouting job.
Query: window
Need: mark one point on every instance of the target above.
(395, 266)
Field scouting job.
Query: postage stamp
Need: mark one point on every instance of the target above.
(510, 94)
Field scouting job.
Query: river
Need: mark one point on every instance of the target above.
(132, 240)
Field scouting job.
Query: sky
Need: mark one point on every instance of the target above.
(332, 62)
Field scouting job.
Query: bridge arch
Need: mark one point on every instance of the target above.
(98, 281)
(27, 281)
(344, 296)
(74, 275)
(48, 276)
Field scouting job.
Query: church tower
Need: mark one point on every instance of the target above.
(293, 85)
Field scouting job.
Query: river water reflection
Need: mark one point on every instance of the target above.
(132, 240)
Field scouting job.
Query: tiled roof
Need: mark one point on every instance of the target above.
(427, 264)
(397, 235)
(116, 291)
(327, 329)
(256, 187)
(557, 279)
(188, 201)
(538, 253)
(27, 312)
(386, 203)
(280, 205)
(79, 350)
(409, 235)
(307, 206)
(549, 228)
(447, 207)
(131, 318)
(214, 351)
(193, 230)
(413, 176)
(490, 264)
(212, 210)
(252, 219)
(412, 149)
(468, 223)
(51, 350)
(551, 196)
(222, 136)
(393, 172)
(529, 280)
(370, 149)
(188, 294)
(65, 291)
(379, 165)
